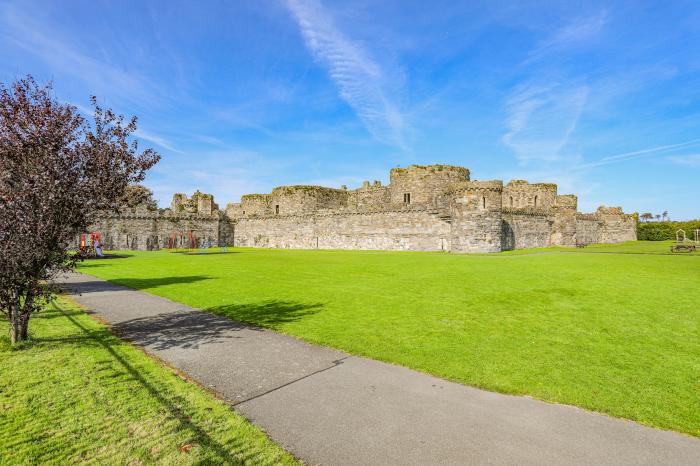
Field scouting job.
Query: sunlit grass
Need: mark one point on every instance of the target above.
(77, 394)
(616, 333)
(629, 247)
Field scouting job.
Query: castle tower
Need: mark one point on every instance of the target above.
(476, 213)
(423, 184)
(179, 200)
(564, 221)
(519, 194)
(204, 203)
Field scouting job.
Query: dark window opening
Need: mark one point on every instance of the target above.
(535, 201)
(483, 199)
(511, 201)
(407, 198)
(277, 210)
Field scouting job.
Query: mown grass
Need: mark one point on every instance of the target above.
(629, 247)
(635, 247)
(76, 394)
(615, 333)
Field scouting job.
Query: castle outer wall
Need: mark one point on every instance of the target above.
(424, 208)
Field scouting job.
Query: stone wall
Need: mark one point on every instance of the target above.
(133, 230)
(476, 214)
(255, 205)
(521, 194)
(424, 183)
(617, 227)
(300, 200)
(200, 203)
(526, 228)
(405, 230)
(424, 208)
(369, 198)
(141, 228)
(588, 229)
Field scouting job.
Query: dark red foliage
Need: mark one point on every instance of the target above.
(57, 170)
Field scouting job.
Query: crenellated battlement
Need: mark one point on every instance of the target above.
(422, 170)
(477, 185)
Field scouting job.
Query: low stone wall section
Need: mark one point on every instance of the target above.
(523, 229)
(406, 230)
(588, 229)
(152, 232)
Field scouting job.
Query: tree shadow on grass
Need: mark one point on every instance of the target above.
(267, 314)
(150, 283)
(107, 256)
(190, 329)
(171, 402)
(53, 314)
(93, 286)
(85, 265)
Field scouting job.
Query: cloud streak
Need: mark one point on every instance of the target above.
(541, 118)
(358, 78)
(139, 133)
(43, 40)
(574, 33)
(689, 160)
(158, 140)
(626, 156)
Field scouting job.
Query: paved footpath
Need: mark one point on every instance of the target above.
(327, 407)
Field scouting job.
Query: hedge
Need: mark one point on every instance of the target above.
(660, 231)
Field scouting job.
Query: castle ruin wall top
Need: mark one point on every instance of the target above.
(434, 207)
(423, 184)
(520, 193)
(417, 187)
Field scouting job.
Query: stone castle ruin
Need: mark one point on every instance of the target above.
(424, 208)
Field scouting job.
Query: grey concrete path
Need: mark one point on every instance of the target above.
(327, 407)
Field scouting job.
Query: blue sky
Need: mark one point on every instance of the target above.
(602, 98)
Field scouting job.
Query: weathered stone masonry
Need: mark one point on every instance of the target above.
(424, 208)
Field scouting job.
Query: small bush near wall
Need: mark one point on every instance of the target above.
(660, 231)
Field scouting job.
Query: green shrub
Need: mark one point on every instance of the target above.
(660, 231)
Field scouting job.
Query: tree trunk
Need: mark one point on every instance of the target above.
(15, 332)
(24, 316)
(24, 327)
(20, 310)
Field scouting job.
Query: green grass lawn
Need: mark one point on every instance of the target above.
(629, 247)
(77, 394)
(615, 333)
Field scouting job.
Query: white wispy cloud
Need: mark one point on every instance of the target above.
(541, 118)
(649, 151)
(139, 133)
(359, 79)
(42, 39)
(543, 113)
(226, 173)
(156, 139)
(574, 33)
(689, 160)
(211, 140)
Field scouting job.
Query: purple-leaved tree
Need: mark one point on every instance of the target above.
(57, 171)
